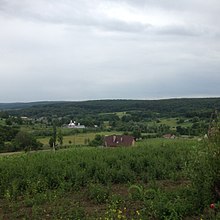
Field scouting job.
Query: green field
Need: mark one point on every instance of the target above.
(169, 121)
(156, 179)
(120, 114)
(76, 139)
(172, 122)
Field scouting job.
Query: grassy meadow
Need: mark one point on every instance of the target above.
(76, 139)
(172, 122)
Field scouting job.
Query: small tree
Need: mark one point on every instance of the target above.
(2, 145)
(53, 139)
(8, 122)
(26, 141)
(97, 141)
(136, 133)
(51, 142)
(4, 115)
(60, 137)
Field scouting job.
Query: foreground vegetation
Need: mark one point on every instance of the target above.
(156, 179)
(172, 179)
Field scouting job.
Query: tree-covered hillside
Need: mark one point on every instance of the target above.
(164, 108)
(21, 105)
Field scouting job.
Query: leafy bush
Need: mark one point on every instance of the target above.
(97, 141)
(205, 171)
(7, 133)
(98, 193)
(25, 141)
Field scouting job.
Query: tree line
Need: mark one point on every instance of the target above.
(165, 108)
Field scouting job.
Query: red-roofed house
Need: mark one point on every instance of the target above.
(119, 140)
(169, 136)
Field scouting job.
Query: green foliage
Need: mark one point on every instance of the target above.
(51, 142)
(136, 133)
(60, 137)
(78, 167)
(4, 114)
(162, 204)
(167, 205)
(2, 145)
(136, 192)
(53, 138)
(54, 134)
(147, 108)
(125, 115)
(98, 193)
(8, 121)
(190, 170)
(7, 133)
(204, 170)
(97, 141)
(139, 117)
(180, 121)
(25, 141)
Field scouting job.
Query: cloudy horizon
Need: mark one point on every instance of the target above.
(108, 49)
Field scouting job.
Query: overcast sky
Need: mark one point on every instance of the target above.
(101, 49)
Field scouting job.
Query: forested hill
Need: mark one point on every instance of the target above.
(168, 107)
(21, 105)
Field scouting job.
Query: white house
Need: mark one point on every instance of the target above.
(73, 124)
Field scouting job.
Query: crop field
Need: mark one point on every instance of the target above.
(157, 179)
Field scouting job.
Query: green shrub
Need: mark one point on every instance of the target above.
(98, 193)
(205, 171)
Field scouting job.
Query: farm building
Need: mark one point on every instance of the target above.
(119, 140)
(169, 136)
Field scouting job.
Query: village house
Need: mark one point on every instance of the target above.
(169, 136)
(119, 140)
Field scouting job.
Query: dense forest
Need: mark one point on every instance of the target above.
(165, 108)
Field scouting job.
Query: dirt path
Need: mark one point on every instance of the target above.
(21, 152)
(11, 153)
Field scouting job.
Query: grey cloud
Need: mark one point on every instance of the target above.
(181, 30)
(76, 13)
(82, 13)
(67, 50)
(174, 5)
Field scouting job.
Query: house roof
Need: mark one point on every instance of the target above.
(118, 140)
(168, 135)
